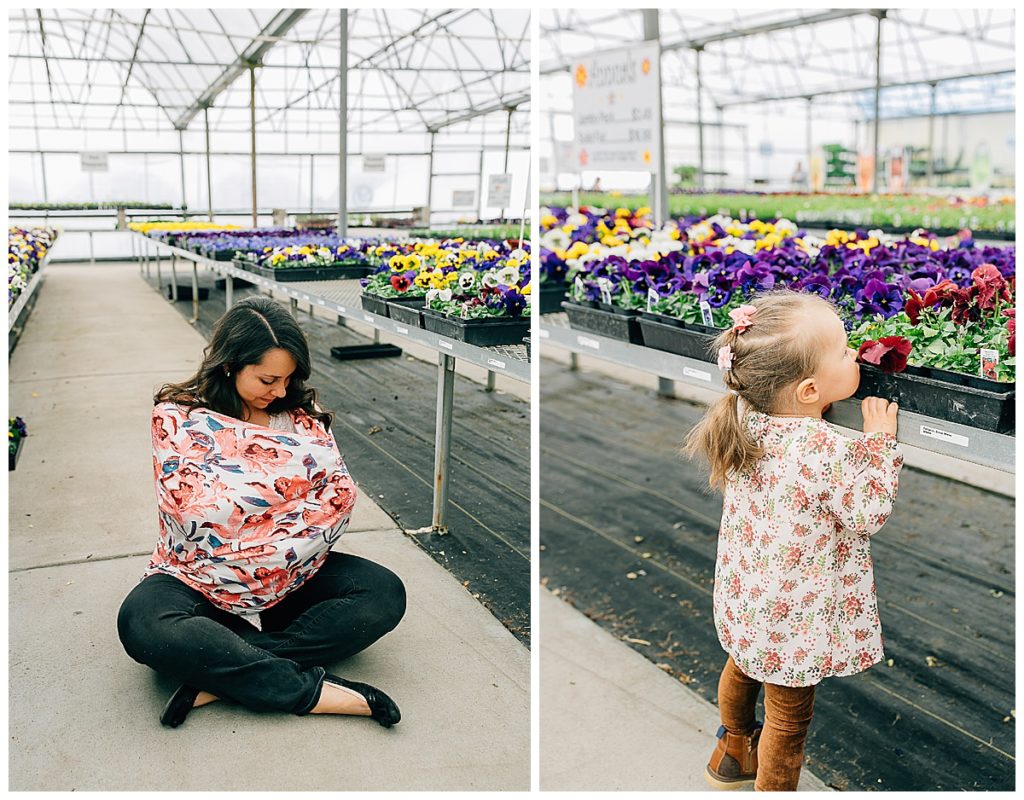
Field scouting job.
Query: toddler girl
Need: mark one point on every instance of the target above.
(794, 592)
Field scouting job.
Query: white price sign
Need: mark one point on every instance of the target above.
(617, 109)
(375, 163)
(463, 198)
(94, 162)
(499, 191)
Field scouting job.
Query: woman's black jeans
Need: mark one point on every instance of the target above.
(344, 608)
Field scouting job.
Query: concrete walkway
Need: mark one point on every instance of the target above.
(83, 715)
(611, 720)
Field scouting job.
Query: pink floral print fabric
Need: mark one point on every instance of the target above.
(247, 513)
(794, 593)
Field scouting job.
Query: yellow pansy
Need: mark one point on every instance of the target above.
(548, 221)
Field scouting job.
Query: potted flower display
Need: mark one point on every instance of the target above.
(16, 432)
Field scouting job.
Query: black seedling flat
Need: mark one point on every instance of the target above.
(178, 706)
(382, 707)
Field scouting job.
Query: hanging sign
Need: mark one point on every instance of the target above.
(464, 198)
(499, 190)
(94, 161)
(617, 109)
(374, 163)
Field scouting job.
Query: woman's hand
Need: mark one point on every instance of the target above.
(879, 415)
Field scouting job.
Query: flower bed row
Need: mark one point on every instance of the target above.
(474, 291)
(996, 218)
(673, 288)
(25, 251)
(88, 206)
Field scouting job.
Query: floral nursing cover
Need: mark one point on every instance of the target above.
(247, 513)
(794, 590)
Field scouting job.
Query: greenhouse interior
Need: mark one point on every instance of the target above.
(697, 165)
(361, 180)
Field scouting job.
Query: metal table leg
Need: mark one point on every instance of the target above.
(229, 288)
(159, 280)
(666, 387)
(442, 440)
(174, 277)
(195, 294)
(294, 304)
(490, 381)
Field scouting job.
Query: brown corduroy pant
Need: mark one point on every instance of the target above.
(787, 710)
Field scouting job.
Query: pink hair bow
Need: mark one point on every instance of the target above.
(742, 318)
(725, 358)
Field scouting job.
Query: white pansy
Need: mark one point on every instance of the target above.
(556, 239)
(489, 279)
(508, 276)
(466, 280)
(518, 254)
(577, 220)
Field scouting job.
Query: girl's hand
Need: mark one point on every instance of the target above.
(879, 415)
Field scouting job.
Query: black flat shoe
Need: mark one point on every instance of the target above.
(178, 706)
(382, 707)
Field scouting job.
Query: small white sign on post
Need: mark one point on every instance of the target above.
(617, 109)
(464, 198)
(373, 162)
(499, 191)
(94, 161)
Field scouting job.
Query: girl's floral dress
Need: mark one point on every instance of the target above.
(794, 591)
(247, 513)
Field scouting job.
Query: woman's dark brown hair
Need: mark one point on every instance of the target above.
(242, 336)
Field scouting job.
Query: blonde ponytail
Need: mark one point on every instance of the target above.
(774, 352)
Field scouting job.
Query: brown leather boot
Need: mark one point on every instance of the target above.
(733, 764)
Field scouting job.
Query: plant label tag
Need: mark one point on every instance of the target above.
(368, 317)
(944, 436)
(305, 297)
(342, 310)
(586, 341)
(606, 292)
(578, 283)
(402, 330)
(700, 375)
(320, 301)
(989, 362)
(652, 298)
(444, 344)
(495, 363)
(705, 314)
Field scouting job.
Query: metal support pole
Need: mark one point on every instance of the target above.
(480, 184)
(294, 306)
(159, 280)
(574, 362)
(931, 136)
(181, 164)
(659, 180)
(343, 125)
(92, 254)
(721, 147)
(810, 147)
(229, 291)
(666, 387)
(878, 93)
(195, 294)
(252, 136)
(209, 179)
(442, 440)
(174, 278)
(700, 124)
(430, 175)
(490, 381)
(311, 183)
(508, 137)
(746, 158)
(342, 321)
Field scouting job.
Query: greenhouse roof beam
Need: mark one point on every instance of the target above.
(253, 54)
(135, 53)
(511, 104)
(755, 30)
(865, 88)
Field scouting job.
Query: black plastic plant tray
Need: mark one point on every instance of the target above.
(12, 458)
(185, 292)
(364, 351)
(217, 255)
(959, 378)
(551, 297)
(622, 326)
(406, 313)
(675, 336)
(962, 404)
(480, 332)
(378, 305)
(335, 272)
